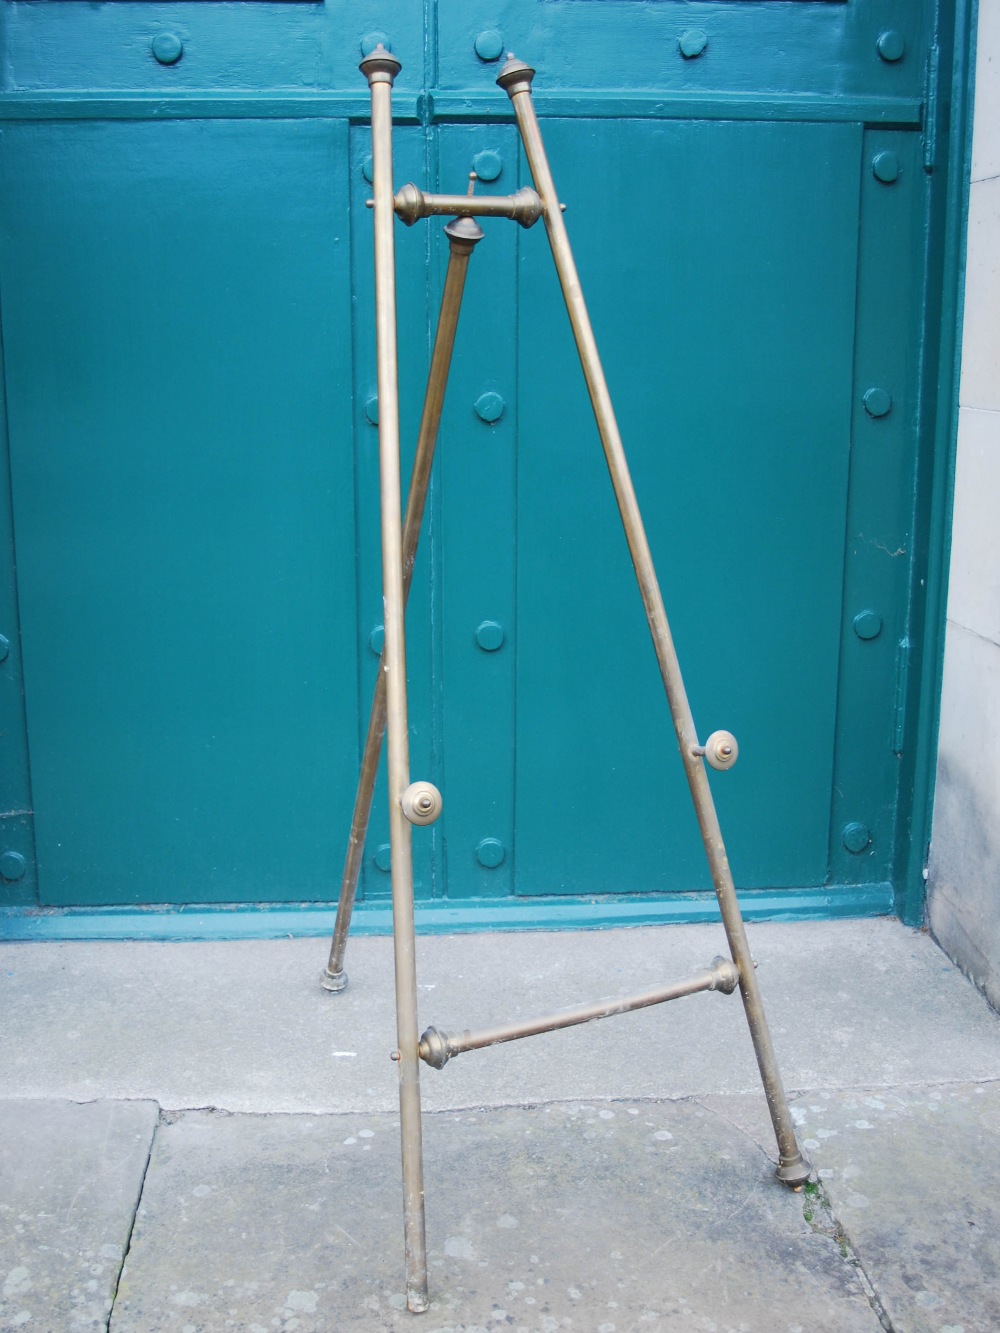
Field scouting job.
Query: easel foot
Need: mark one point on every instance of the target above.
(333, 981)
(417, 1302)
(793, 1170)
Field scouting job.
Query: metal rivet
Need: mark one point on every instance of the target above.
(367, 169)
(490, 853)
(12, 866)
(877, 402)
(891, 45)
(856, 837)
(867, 624)
(371, 409)
(372, 39)
(489, 635)
(488, 164)
(383, 857)
(376, 639)
(167, 47)
(489, 44)
(489, 407)
(4, 648)
(693, 42)
(885, 167)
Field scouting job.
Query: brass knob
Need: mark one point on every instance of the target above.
(421, 802)
(721, 750)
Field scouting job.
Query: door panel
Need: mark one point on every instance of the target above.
(179, 389)
(727, 333)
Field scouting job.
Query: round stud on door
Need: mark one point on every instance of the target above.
(371, 410)
(692, 43)
(489, 407)
(167, 47)
(489, 635)
(383, 857)
(891, 45)
(12, 866)
(885, 167)
(856, 837)
(867, 624)
(488, 164)
(376, 640)
(421, 802)
(372, 39)
(489, 45)
(4, 648)
(878, 402)
(720, 751)
(490, 853)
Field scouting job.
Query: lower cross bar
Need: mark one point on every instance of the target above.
(436, 1048)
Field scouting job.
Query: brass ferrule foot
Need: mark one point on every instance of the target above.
(333, 981)
(516, 76)
(417, 1302)
(793, 1170)
(433, 1048)
(726, 975)
(381, 66)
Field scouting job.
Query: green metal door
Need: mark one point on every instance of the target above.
(755, 195)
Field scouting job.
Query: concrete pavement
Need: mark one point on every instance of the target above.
(194, 1137)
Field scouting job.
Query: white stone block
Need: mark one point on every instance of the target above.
(974, 586)
(981, 334)
(986, 122)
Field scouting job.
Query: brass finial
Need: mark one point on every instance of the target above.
(381, 66)
(516, 76)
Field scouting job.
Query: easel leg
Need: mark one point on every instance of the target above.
(515, 79)
(463, 235)
(380, 68)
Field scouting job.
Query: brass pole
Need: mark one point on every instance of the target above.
(463, 235)
(515, 78)
(437, 1048)
(380, 68)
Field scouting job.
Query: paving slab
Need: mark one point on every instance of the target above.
(244, 1025)
(70, 1178)
(913, 1180)
(590, 1217)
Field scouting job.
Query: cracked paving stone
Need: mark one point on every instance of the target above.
(601, 1218)
(70, 1179)
(913, 1178)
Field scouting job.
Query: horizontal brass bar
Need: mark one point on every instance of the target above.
(412, 204)
(436, 1048)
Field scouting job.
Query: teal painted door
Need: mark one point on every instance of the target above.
(193, 612)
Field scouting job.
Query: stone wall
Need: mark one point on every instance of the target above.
(964, 882)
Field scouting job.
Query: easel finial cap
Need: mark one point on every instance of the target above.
(516, 76)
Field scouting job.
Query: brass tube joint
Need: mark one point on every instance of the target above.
(523, 206)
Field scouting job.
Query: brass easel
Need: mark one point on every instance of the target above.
(420, 802)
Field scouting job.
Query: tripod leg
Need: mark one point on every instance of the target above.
(380, 68)
(515, 78)
(463, 234)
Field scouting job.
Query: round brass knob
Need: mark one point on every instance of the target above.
(721, 750)
(421, 802)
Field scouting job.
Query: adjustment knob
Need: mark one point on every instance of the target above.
(721, 750)
(421, 802)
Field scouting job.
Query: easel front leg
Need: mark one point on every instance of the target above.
(515, 78)
(381, 68)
